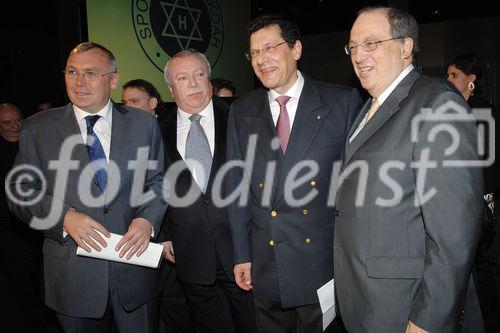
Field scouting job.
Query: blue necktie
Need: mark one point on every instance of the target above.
(96, 153)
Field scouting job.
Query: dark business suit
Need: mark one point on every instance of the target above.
(290, 248)
(201, 237)
(409, 260)
(79, 286)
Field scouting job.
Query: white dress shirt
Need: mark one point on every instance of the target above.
(291, 107)
(383, 96)
(183, 124)
(102, 127)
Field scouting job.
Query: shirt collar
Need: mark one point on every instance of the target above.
(293, 92)
(383, 96)
(105, 112)
(207, 112)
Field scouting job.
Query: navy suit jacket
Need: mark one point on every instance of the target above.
(289, 244)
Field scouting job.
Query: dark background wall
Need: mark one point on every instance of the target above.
(35, 38)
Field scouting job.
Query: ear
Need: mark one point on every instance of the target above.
(472, 78)
(171, 91)
(114, 80)
(297, 50)
(407, 48)
(153, 103)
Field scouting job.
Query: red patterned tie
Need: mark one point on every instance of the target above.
(283, 123)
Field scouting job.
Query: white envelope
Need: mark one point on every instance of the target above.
(150, 258)
(326, 296)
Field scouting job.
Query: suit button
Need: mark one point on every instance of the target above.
(274, 213)
(307, 240)
(206, 201)
(305, 212)
(313, 183)
(337, 212)
(105, 210)
(271, 242)
(260, 185)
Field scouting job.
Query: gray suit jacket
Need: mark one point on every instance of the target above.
(290, 246)
(79, 286)
(412, 260)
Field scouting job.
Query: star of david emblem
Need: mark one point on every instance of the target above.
(181, 23)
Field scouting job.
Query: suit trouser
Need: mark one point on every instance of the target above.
(174, 309)
(271, 317)
(222, 306)
(20, 258)
(116, 319)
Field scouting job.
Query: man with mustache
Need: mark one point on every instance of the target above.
(197, 234)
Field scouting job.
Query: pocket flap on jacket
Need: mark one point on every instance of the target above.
(395, 267)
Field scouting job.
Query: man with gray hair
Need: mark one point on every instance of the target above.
(197, 235)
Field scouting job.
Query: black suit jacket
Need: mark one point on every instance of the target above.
(289, 245)
(201, 230)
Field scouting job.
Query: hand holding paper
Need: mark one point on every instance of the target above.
(149, 258)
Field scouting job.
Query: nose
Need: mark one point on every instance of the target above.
(80, 79)
(359, 56)
(260, 58)
(191, 81)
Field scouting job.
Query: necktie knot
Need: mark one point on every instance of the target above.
(282, 100)
(195, 118)
(91, 120)
(373, 108)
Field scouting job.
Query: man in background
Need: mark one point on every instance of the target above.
(141, 94)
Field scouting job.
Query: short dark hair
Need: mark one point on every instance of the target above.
(468, 63)
(289, 29)
(87, 46)
(145, 86)
(402, 23)
(218, 84)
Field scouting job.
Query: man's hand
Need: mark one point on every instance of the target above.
(83, 230)
(412, 328)
(242, 275)
(136, 239)
(168, 251)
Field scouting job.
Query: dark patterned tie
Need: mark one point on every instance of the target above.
(96, 153)
(283, 123)
(198, 149)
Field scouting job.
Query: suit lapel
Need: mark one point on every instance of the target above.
(220, 126)
(260, 122)
(119, 147)
(390, 107)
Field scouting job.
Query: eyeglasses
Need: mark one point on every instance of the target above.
(252, 54)
(367, 46)
(87, 75)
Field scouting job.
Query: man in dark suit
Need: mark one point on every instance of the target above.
(282, 233)
(91, 193)
(22, 267)
(197, 234)
(409, 219)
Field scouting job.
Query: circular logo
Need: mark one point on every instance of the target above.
(165, 27)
